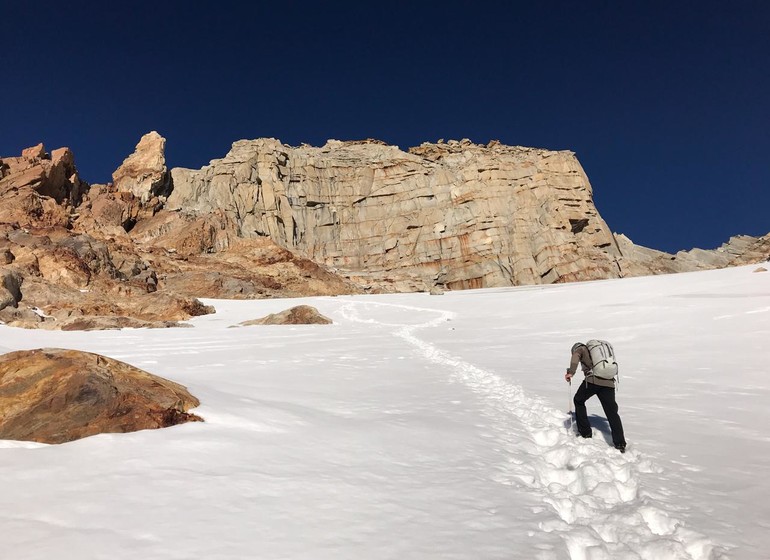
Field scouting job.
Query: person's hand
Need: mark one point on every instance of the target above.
(568, 376)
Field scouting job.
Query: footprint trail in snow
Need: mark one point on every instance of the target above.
(601, 512)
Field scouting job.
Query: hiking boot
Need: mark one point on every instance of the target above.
(621, 447)
(585, 436)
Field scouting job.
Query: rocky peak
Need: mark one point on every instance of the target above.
(144, 172)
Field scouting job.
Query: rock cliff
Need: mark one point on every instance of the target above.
(445, 215)
(454, 214)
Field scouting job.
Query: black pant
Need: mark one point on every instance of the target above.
(607, 398)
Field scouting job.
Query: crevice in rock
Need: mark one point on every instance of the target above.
(578, 225)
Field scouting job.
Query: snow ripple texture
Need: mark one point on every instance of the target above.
(601, 511)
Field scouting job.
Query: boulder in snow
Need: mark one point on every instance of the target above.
(53, 396)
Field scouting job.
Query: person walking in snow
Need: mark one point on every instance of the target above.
(593, 385)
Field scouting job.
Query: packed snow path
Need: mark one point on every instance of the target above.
(602, 509)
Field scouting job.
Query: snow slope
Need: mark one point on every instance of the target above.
(424, 426)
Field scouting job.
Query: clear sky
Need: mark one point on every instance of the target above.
(667, 104)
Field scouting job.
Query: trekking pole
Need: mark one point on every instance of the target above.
(569, 398)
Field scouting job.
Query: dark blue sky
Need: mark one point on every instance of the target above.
(667, 104)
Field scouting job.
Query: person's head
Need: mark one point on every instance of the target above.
(575, 347)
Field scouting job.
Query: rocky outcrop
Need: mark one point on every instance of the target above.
(56, 277)
(249, 269)
(299, 315)
(458, 214)
(118, 259)
(107, 212)
(739, 250)
(61, 280)
(39, 189)
(51, 175)
(55, 396)
(144, 172)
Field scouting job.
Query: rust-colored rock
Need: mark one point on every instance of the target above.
(299, 315)
(248, 269)
(54, 396)
(36, 172)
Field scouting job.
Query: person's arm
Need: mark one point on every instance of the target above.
(573, 363)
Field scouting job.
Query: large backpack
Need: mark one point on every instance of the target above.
(603, 358)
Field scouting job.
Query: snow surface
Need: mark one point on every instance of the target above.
(421, 426)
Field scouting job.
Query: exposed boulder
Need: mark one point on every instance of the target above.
(299, 315)
(55, 396)
(144, 172)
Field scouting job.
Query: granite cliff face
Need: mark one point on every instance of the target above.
(446, 215)
(456, 215)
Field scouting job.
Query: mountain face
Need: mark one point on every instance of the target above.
(457, 215)
(453, 215)
(271, 220)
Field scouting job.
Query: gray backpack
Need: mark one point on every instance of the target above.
(603, 358)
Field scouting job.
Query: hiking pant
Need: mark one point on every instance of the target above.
(607, 398)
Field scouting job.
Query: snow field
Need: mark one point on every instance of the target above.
(424, 426)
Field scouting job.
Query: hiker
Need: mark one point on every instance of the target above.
(593, 385)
